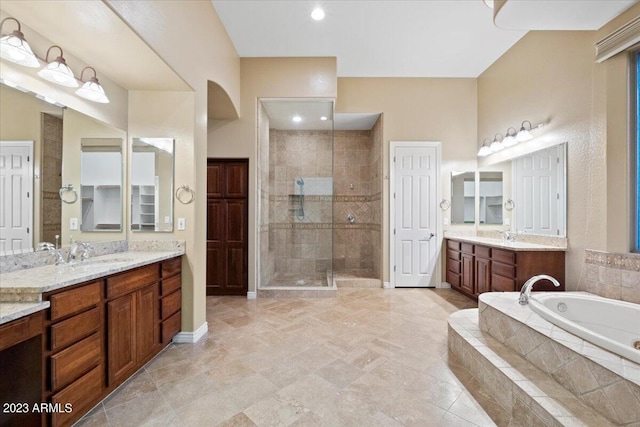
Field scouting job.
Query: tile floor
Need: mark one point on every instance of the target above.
(366, 358)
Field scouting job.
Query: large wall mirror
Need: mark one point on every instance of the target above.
(463, 196)
(56, 135)
(152, 184)
(101, 184)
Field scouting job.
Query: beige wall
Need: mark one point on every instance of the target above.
(266, 78)
(420, 109)
(551, 77)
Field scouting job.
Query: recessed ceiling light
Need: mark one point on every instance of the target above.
(296, 119)
(323, 118)
(317, 14)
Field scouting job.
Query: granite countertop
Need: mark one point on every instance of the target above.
(29, 285)
(504, 244)
(14, 310)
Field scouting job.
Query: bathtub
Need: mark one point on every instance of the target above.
(610, 324)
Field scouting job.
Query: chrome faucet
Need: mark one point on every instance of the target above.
(525, 292)
(507, 235)
(57, 256)
(78, 249)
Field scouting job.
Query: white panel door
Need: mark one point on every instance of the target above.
(537, 199)
(16, 191)
(414, 233)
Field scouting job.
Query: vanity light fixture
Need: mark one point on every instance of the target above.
(317, 14)
(485, 150)
(57, 70)
(510, 139)
(14, 48)
(497, 144)
(524, 135)
(92, 89)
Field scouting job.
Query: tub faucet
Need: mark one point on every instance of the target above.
(525, 293)
(78, 249)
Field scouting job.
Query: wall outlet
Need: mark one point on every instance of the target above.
(73, 223)
(446, 221)
(182, 224)
(507, 221)
(167, 220)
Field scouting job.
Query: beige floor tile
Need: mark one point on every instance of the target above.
(369, 357)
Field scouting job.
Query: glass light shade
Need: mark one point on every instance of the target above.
(484, 151)
(93, 91)
(509, 141)
(14, 48)
(523, 136)
(57, 72)
(496, 146)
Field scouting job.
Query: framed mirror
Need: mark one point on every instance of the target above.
(152, 165)
(101, 184)
(463, 194)
(490, 198)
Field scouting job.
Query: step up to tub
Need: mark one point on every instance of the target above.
(532, 397)
(604, 381)
(354, 279)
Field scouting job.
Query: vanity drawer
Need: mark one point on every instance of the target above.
(505, 270)
(483, 251)
(171, 327)
(71, 330)
(82, 394)
(171, 284)
(128, 282)
(453, 266)
(171, 267)
(71, 363)
(20, 330)
(453, 279)
(453, 254)
(467, 248)
(75, 300)
(170, 304)
(500, 255)
(452, 244)
(502, 284)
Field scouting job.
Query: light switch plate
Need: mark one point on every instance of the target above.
(73, 223)
(167, 220)
(182, 224)
(446, 221)
(507, 221)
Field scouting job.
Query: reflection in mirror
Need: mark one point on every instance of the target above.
(490, 198)
(152, 184)
(463, 191)
(101, 184)
(539, 192)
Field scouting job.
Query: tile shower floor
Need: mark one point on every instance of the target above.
(366, 358)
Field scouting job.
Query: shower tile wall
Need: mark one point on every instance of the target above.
(51, 179)
(301, 244)
(358, 191)
(267, 260)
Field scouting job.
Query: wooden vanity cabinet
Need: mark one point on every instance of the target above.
(74, 356)
(474, 269)
(97, 334)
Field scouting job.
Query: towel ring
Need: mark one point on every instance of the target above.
(509, 205)
(180, 196)
(445, 204)
(68, 189)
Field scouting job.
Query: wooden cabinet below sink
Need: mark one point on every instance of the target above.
(474, 268)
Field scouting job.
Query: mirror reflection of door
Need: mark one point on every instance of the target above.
(463, 197)
(490, 198)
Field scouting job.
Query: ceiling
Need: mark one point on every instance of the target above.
(92, 31)
(397, 38)
(282, 111)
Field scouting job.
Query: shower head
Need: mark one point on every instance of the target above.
(300, 182)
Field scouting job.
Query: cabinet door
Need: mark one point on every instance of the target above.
(147, 323)
(121, 338)
(467, 273)
(483, 275)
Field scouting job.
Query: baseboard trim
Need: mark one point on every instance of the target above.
(252, 295)
(386, 285)
(191, 337)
